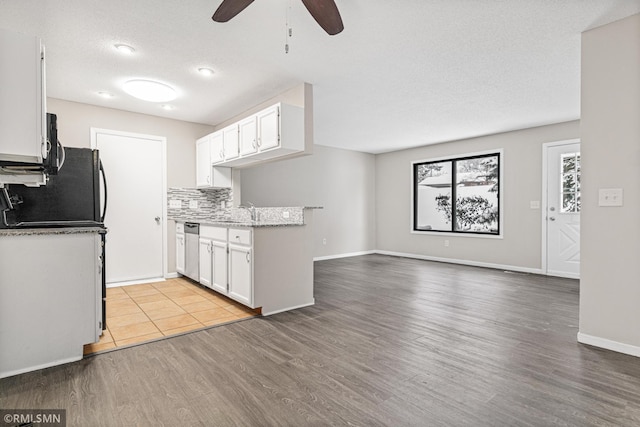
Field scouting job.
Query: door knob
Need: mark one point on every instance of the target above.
(552, 218)
(157, 219)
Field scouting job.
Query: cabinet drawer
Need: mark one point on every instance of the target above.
(215, 233)
(179, 228)
(240, 236)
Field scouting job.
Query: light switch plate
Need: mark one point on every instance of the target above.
(175, 204)
(610, 197)
(193, 204)
(534, 204)
(285, 214)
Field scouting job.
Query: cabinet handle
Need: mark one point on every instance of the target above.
(253, 143)
(208, 179)
(248, 257)
(221, 154)
(259, 142)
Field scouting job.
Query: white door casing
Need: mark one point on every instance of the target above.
(136, 209)
(561, 212)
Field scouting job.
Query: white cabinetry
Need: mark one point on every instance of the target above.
(51, 302)
(213, 258)
(231, 142)
(241, 266)
(23, 130)
(268, 124)
(203, 161)
(208, 176)
(180, 248)
(248, 136)
(273, 132)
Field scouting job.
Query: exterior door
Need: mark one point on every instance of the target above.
(134, 167)
(562, 216)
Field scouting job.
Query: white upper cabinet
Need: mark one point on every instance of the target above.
(268, 123)
(248, 136)
(231, 146)
(23, 129)
(271, 133)
(208, 176)
(203, 162)
(217, 147)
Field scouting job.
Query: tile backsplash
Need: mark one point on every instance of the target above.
(199, 204)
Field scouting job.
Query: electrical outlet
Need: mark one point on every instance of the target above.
(285, 214)
(446, 243)
(193, 204)
(324, 241)
(223, 204)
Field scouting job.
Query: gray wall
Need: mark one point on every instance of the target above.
(610, 238)
(520, 246)
(340, 181)
(75, 121)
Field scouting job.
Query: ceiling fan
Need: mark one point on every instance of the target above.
(325, 12)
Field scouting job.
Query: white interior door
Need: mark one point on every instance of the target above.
(562, 215)
(134, 168)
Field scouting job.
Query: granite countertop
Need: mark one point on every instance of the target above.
(50, 231)
(226, 223)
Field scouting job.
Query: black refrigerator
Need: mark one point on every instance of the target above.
(74, 197)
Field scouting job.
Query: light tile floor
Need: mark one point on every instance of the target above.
(145, 312)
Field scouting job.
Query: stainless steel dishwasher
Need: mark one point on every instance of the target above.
(191, 261)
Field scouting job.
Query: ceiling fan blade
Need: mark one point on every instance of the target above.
(326, 13)
(230, 8)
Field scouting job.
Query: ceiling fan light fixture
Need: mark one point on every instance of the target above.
(124, 48)
(207, 72)
(149, 90)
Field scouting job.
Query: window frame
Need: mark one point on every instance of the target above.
(499, 153)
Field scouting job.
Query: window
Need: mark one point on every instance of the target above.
(458, 195)
(570, 179)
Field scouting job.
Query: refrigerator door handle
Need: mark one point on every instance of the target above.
(104, 184)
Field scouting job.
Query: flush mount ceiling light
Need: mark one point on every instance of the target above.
(205, 71)
(123, 48)
(148, 90)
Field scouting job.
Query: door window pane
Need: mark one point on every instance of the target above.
(570, 183)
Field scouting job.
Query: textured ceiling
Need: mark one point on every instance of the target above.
(403, 73)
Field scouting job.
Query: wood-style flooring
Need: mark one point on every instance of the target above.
(390, 342)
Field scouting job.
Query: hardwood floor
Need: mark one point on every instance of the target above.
(390, 342)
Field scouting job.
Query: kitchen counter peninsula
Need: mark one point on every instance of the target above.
(265, 263)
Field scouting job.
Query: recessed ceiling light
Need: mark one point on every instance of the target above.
(123, 48)
(149, 90)
(105, 94)
(205, 71)
(167, 107)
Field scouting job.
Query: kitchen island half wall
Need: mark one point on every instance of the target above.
(260, 257)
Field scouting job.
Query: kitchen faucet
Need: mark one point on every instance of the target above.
(252, 210)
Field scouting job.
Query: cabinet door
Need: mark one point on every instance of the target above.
(219, 277)
(268, 128)
(248, 136)
(231, 142)
(241, 274)
(203, 162)
(217, 147)
(205, 256)
(23, 129)
(180, 253)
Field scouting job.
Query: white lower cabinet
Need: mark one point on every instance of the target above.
(241, 274)
(205, 260)
(180, 248)
(219, 264)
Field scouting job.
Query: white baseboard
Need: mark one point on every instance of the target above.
(347, 255)
(135, 282)
(464, 262)
(619, 347)
(173, 275)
